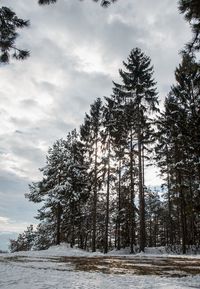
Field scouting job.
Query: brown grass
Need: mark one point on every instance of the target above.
(160, 266)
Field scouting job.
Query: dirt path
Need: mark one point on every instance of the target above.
(138, 265)
(172, 267)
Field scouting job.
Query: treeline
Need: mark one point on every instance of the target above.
(93, 192)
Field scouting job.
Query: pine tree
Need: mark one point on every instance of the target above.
(44, 237)
(107, 136)
(122, 155)
(90, 135)
(55, 183)
(62, 188)
(24, 242)
(137, 97)
(78, 194)
(178, 150)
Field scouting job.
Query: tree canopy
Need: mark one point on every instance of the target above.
(104, 3)
(10, 23)
(191, 11)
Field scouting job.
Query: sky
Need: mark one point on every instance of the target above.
(77, 48)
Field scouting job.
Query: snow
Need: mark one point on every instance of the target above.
(16, 277)
(45, 270)
(155, 252)
(57, 251)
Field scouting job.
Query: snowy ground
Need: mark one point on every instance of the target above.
(61, 267)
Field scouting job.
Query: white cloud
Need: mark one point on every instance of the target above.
(10, 226)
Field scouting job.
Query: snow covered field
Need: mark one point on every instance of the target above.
(62, 267)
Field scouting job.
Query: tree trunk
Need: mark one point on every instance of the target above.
(183, 216)
(94, 221)
(119, 210)
(169, 230)
(72, 225)
(59, 212)
(132, 200)
(107, 201)
(141, 195)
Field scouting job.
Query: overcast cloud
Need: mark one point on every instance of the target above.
(76, 51)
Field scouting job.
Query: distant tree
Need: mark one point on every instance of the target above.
(3, 252)
(24, 241)
(14, 245)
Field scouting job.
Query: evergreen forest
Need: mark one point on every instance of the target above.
(92, 193)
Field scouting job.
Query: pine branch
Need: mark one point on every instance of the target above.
(9, 23)
(46, 2)
(191, 11)
(104, 3)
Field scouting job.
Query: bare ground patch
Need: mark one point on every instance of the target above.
(160, 266)
(172, 267)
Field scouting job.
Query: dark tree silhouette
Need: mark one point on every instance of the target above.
(191, 11)
(104, 3)
(9, 23)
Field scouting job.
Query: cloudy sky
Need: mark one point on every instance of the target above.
(76, 51)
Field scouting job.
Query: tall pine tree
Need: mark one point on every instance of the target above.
(138, 98)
